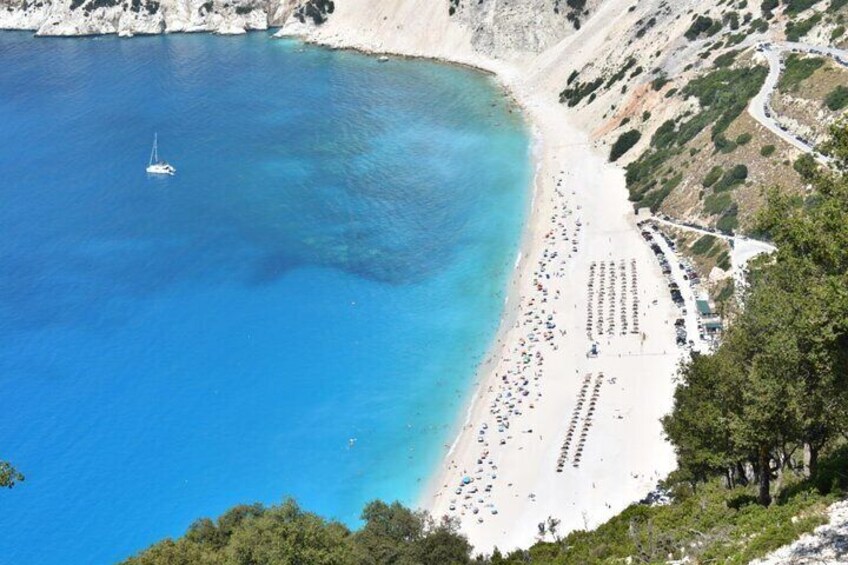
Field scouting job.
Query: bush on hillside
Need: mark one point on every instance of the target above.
(796, 29)
(624, 143)
(729, 220)
(837, 98)
(798, 69)
(731, 178)
(702, 25)
(717, 203)
(806, 166)
(712, 176)
(703, 244)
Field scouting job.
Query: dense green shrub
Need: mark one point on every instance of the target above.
(731, 19)
(731, 178)
(726, 59)
(659, 82)
(798, 69)
(743, 138)
(795, 29)
(758, 26)
(717, 203)
(574, 94)
(729, 220)
(725, 93)
(723, 144)
(837, 98)
(621, 72)
(806, 166)
(767, 150)
(703, 244)
(654, 199)
(712, 176)
(768, 7)
(723, 261)
(795, 7)
(315, 10)
(702, 25)
(726, 291)
(624, 143)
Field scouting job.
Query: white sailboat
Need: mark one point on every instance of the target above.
(157, 166)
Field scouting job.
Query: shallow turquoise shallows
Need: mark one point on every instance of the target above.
(298, 312)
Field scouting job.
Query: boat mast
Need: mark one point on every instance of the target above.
(154, 154)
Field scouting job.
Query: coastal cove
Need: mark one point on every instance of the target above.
(300, 311)
(513, 465)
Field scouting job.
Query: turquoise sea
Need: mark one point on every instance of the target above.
(329, 264)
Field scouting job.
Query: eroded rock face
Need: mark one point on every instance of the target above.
(130, 17)
(496, 26)
(528, 25)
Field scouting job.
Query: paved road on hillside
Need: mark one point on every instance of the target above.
(760, 107)
(742, 248)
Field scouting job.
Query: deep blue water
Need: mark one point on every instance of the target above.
(330, 262)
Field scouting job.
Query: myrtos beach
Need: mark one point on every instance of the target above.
(299, 311)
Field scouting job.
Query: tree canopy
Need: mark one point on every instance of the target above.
(287, 535)
(9, 476)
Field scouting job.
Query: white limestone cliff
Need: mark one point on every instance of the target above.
(132, 17)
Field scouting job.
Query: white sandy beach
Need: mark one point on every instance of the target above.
(526, 395)
(624, 454)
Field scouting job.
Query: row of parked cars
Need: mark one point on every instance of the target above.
(650, 233)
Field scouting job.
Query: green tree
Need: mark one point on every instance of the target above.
(9, 476)
(837, 146)
(286, 535)
(699, 423)
(811, 273)
(394, 534)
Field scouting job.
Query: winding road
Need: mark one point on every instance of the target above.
(760, 106)
(742, 248)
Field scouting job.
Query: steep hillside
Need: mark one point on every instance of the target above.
(129, 17)
(670, 92)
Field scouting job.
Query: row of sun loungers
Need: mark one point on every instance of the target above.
(587, 419)
(598, 296)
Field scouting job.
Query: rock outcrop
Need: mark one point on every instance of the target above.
(495, 27)
(827, 545)
(131, 17)
(500, 28)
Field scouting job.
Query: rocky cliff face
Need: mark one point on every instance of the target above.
(496, 26)
(500, 27)
(129, 17)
